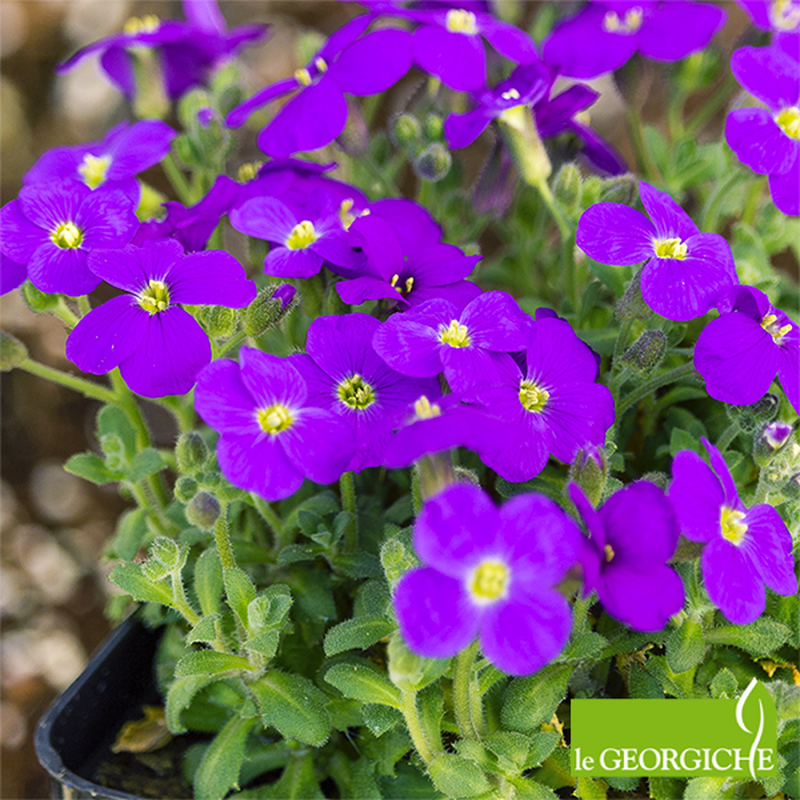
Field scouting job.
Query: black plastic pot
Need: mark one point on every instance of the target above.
(77, 730)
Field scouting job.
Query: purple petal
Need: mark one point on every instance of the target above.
(107, 335)
(205, 14)
(758, 141)
(732, 582)
(768, 544)
(436, 617)
(381, 245)
(258, 465)
(49, 205)
(461, 130)
(173, 350)
(458, 59)
(593, 520)
(719, 466)
(769, 74)
(374, 63)
(411, 347)
(737, 359)
(223, 401)
(119, 66)
(131, 268)
(212, 277)
(271, 380)
(495, 321)
(457, 529)
(107, 219)
(12, 274)
(785, 190)
(239, 115)
(283, 262)
(669, 219)
(264, 218)
(615, 234)
(320, 444)
(696, 495)
(52, 269)
(359, 290)
(139, 147)
(557, 356)
(511, 42)
(20, 238)
(521, 637)
(643, 600)
(404, 216)
(310, 120)
(459, 293)
(598, 152)
(678, 29)
(789, 368)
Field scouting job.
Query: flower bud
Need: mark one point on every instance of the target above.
(519, 132)
(166, 552)
(408, 670)
(114, 450)
(770, 441)
(203, 510)
(36, 300)
(405, 130)
(646, 353)
(660, 479)
(620, 189)
(567, 187)
(590, 191)
(270, 307)
(433, 163)
(219, 321)
(791, 489)
(433, 128)
(186, 488)
(752, 417)
(154, 569)
(12, 352)
(632, 304)
(191, 452)
(590, 470)
(331, 302)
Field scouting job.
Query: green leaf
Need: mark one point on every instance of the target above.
(265, 643)
(530, 701)
(759, 638)
(239, 590)
(322, 504)
(362, 681)
(666, 788)
(591, 789)
(357, 634)
(356, 779)
(209, 662)
(680, 684)
(92, 468)
(602, 340)
(380, 719)
(710, 789)
(294, 706)
(147, 462)
(372, 599)
(612, 277)
(682, 440)
(208, 581)
(130, 578)
(205, 630)
(218, 772)
(179, 697)
(528, 789)
(510, 748)
(298, 782)
(357, 565)
(113, 420)
(624, 783)
(456, 777)
(130, 535)
(541, 745)
(685, 646)
(584, 645)
(430, 705)
(724, 684)
(643, 685)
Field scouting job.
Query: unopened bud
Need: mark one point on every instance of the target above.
(433, 163)
(632, 304)
(203, 510)
(751, 418)
(464, 475)
(433, 128)
(166, 552)
(771, 441)
(620, 189)
(590, 191)
(270, 306)
(332, 303)
(154, 569)
(646, 353)
(567, 187)
(407, 669)
(38, 301)
(791, 489)
(186, 488)
(405, 130)
(590, 470)
(219, 321)
(12, 352)
(191, 452)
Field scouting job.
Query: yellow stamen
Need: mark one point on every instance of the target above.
(274, 419)
(455, 335)
(424, 409)
(630, 23)
(511, 94)
(409, 284)
(784, 15)
(733, 529)
(669, 248)
(302, 235)
(154, 297)
(789, 121)
(609, 552)
(67, 236)
(770, 324)
(94, 169)
(460, 21)
(489, 581)
(355, 392)
(532, 397)
(149, 23)
(248, 171)
(302, 76)
(321, 64)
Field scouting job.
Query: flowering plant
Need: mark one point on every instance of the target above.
(441, 448)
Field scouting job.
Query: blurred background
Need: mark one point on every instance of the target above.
(53, 585)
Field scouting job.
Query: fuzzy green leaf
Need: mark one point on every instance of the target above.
(710, 789)
(204, 631)
(528, 789)
(265, 643)
(180, 695)
(218, 772)
(130, 578)
(239, 590)
(380, 719)
(113, 420)
(457, 777)
(666, 788)
(362, 681)
(356, 634)
(759, 638)
(209, 662)
(92, 468)
(584, 645)
(724, 684)
(147, 462)
(685, 646)
(530, 701)
(208, 581)
(130, 535)
(541, 745)
(293, 705)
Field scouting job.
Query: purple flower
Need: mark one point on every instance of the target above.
(113, 163)
(52, 229)
(768, 139)
(193, 226)
(318, 112)
(489, 573)
(188, 51)
(449, 44)
(745, 548)
(604, 35)
(271, 437)
(553, 405)
(739, 353)
(631, 537)
(773, 15)
(12, 274)
(686, 270)
(436, 336)
(346, 376)
(158, 347)
(407, 274)
(299, 246)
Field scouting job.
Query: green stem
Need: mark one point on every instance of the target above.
(650, 386)
(179, 598)
(237, 338)
(675, 116)
(86, 388)
(718, 197)
(65, 314)
(564, 228)
(177, 179)
(347, 488)
(222, 535)
(647, 167)
(462, 693)
(414, 724)
(728, 435)
(709, 108)
(762, 490)
(753, 199)
(622, 340)
(271, 518)
(83, 305)
(144, 501)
